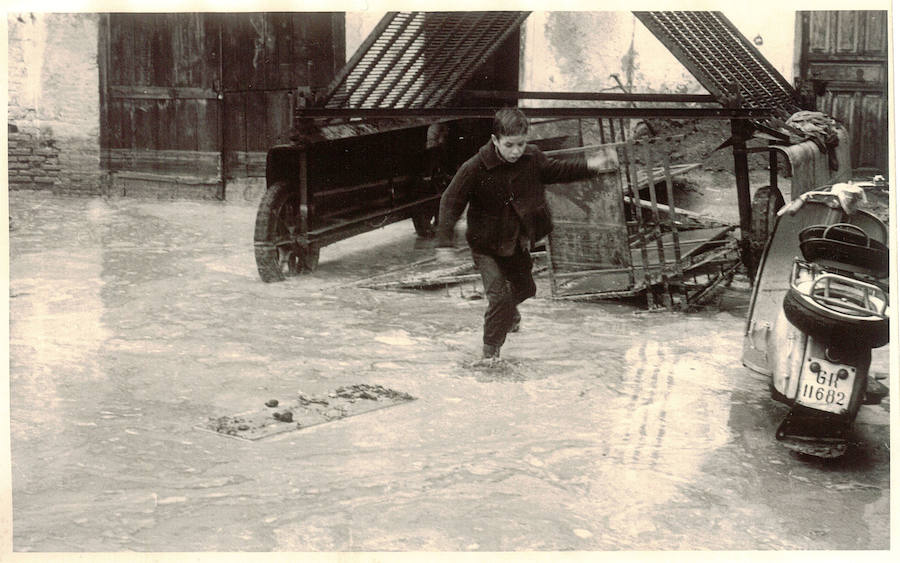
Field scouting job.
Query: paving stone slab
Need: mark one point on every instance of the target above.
(303, 411)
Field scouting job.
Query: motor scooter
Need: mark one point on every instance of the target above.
(818, 308)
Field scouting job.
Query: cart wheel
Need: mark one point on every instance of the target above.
(278, 254)
(833, 329)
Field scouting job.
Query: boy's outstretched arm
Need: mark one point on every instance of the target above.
(453, 202)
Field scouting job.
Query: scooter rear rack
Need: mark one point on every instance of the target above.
(838, 294)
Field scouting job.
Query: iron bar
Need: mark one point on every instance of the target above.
(632, 180)
(657, 228)
(488, 112)
(465, 56)
(673, 222)
(422, 56)
(344, 73)
(398, 55)
(625, 185)
(304, 193)
(773, 167)
(591, 96)
(742, 179)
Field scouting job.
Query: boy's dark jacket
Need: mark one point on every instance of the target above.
(503, 198)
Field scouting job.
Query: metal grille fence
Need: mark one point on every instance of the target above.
(419, 59)
(717, 54)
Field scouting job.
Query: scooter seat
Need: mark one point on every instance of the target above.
(845, 246)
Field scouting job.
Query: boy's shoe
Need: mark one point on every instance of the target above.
(490, 357)
(489, 351)
(490, 362)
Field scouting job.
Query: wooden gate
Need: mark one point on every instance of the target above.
(192, 100)
(844, 55)
(266, 56)
(159, 102)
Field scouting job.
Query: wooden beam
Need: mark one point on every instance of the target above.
(121, 91)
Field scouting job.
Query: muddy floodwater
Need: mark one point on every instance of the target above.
(135, 322)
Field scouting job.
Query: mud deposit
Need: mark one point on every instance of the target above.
(133, 322)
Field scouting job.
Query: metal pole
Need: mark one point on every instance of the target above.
(628, 152)
(673, 220)
(773, 167)
(657, 228)
(742, 179)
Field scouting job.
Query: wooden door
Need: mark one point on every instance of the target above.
(196, 99)
(266, 57)
(160, 108)
(844, 55)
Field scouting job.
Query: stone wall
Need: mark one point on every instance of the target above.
(53, 111)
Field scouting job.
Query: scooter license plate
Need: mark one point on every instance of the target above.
(828, 388)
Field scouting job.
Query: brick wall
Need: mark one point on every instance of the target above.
(53, 111)
(33, 163)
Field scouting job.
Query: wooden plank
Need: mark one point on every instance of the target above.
(121, 69)
(278, 117)
(255, 117)
(256, 53)
(160, 92)
(234, 56)
(320, 50)
(142, 111)
(161, 56)
(142, 54)
(167, 125)
(155, 121)
(278, 63)
(300, 49)
(115, 133)
(103, 51)
(188, 123)
(210, 71)
(187, 59)
(128, 125)
(846, 31)
(209, 123)
(843, 108)
(873, 145)
(189, 164)
(820, 31)
(338, 43)
(875, 32)
(234, 134)
(123, 63)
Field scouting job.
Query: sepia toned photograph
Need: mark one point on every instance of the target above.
(565, 281)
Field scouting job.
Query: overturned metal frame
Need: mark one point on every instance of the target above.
(601, 248)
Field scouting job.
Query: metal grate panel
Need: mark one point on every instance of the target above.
(717, 54)
(419, 59)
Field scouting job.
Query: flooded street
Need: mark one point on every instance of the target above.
(133, 322)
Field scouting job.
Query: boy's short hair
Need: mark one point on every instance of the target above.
(509, 122)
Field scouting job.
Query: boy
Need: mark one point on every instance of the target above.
(503, 185)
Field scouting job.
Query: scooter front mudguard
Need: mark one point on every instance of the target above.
(785, 349)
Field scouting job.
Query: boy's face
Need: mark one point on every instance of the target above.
(510, 147)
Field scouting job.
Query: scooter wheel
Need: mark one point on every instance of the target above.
(822, 325)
